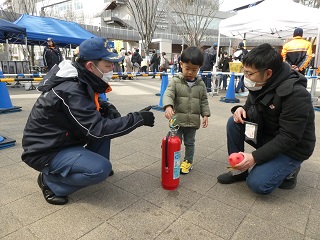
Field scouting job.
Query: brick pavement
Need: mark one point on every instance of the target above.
(133, 205)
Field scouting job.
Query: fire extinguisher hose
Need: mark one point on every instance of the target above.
(166, 157)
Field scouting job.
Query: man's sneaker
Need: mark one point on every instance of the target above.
(185, 167)
(291, 180)
(228, 178)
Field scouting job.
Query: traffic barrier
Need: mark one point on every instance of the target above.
(164, 84)
(230, 95)
(5, 101)
(135, 74)
(6, 142)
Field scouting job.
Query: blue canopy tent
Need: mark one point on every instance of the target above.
(64, 33)
(9, 30)
(10, 33)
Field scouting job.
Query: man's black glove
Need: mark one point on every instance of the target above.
(148, 118)
(108, 110)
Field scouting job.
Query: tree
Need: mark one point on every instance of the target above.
(12, 8)
(145, 14)
(192, 18)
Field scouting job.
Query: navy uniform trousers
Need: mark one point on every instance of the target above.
(77, 167)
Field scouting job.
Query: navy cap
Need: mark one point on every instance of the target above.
(241, 44)
(96, 48)
(298, 32)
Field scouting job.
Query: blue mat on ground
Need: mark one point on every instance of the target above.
(6, 142)
(9, 110)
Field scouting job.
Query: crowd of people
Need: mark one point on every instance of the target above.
(68, 133)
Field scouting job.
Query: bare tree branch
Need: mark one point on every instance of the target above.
(192, 18)
(145, 14)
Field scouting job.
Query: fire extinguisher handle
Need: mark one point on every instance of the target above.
(166, 157)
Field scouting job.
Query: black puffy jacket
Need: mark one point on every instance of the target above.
(285, 117)
(209, 59)
(65, 115)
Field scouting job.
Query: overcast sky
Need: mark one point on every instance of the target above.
(226, 5)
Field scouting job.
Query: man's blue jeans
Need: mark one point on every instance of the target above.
(77, 167)
(264, 178)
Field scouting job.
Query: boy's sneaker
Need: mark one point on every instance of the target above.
(185, 167)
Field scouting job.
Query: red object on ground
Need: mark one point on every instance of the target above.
(235, 158)
(170, 170)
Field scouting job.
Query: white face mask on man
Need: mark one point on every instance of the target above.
(106, 77)
(251, 85)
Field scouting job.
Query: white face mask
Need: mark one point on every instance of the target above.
(251, 85)
(106, 77)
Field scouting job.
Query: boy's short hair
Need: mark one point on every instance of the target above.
(193, 55)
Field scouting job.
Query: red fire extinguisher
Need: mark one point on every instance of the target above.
(171, 151)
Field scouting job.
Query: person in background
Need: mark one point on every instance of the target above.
(136, 60)
(210, 56)
(122, 54)
(297, 52)
(51, 55)
(164, 64)
(116, 65)
(224, 66)
(127, 65)
(277, 119)
(179, 59)
(67, 135)
(76, 54)
(154, 62)
(185, 99)
(238, 57)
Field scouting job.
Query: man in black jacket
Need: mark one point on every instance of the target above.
(154, 62)
(51, 55)
(68, 132)
(210, 56)
(136, 60)
(277, 119)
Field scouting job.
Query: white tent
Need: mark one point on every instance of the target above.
(273, 19)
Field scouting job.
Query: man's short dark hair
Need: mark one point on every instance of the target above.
(193, 55)
(263, 57)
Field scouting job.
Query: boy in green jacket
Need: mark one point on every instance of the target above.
(186, 99)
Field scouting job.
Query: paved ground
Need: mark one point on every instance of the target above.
(133, 205)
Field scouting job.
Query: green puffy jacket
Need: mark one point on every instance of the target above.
(187, 102)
